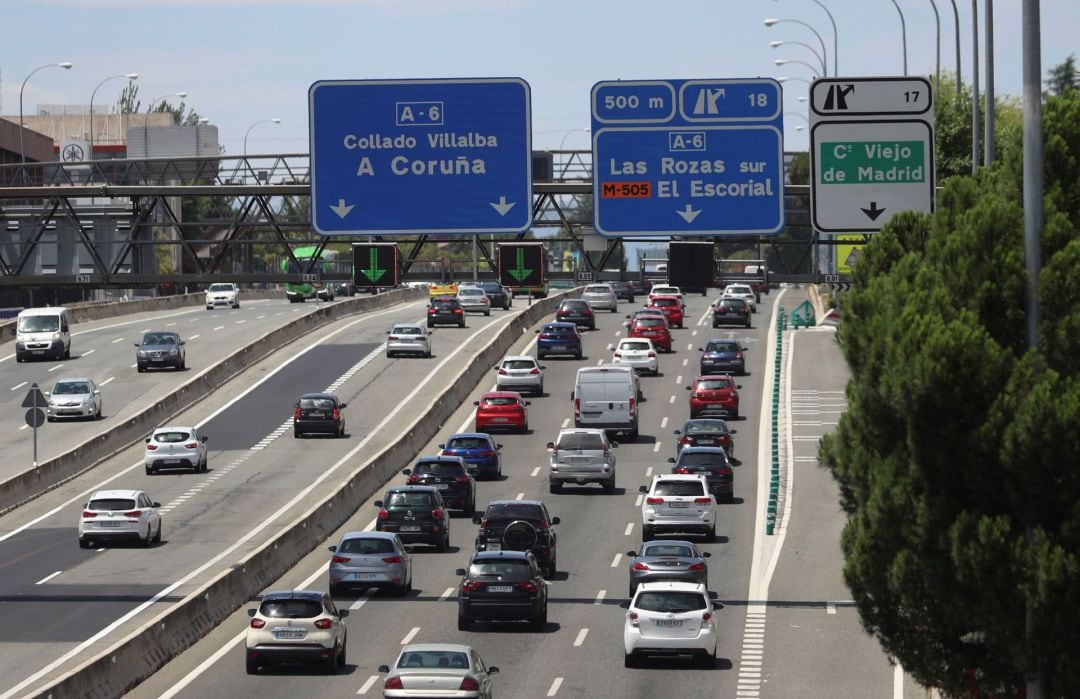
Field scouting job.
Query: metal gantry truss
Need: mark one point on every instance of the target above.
(132, 223)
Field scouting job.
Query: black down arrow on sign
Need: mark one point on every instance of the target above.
(873, 212)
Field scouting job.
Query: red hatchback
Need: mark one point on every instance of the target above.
(714, 395)
(502, 410)
(671, 307)
(652, 327)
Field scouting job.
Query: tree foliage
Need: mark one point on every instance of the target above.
(1063, 77)
(958, 439)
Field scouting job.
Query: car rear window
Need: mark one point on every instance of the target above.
(650, 322)
(574, 305)
(581, 441)
(667, 550)
(364, 545)
(713, 385)
(467, 443)
(316, 403)
(434, 659)
(171, 437)
(444, 305)
(705, 428)
(670, 601)
(558, 330)
(597, 290)
(221, 287)
(111, 504)
(291, 609)
(438, 468)
(510, 569)
(497, 400)
(700, 458)
(519, 364)
(471, 292)
(634, 346)
(514, 510)
(722, 346)
(409, 499)
(665, 290)
(159, 339)
(407, 330)
(732, 303)
(679, 488)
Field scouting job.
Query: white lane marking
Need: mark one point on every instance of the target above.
(24, 427)
(133, 366)
(367, 685)
(371, 525)
(240, 321)
(600, 597)
(18, 386)
(694, 333)
(629, 528)
(830, 608)
(672, 401)
(648, 472)
(678, 379)
(219, 327)
(640, 499)
(581, 637)
(119, 339)
(534, 472)
(656, 447)
(144, 330)
(685, 362)
(565, 423)
(169, 325)
(898, 681)
(194, 336)
(363, 599)
(663, 423)
(47, 578)
(87, 353)
(599, 362)
(690, 346)
(259, 317)
(58, 366)
(446, 594)
(615, 561)
(410, 636)
(554, 689)
(519, 496)
(107, 381)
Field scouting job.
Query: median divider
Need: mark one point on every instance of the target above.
(134, 658)
(774, 470)
(47, 475)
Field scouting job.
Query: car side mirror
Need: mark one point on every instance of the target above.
(442, 446)
(625, 323)
(493, 670)
(182, 343)
(251, 612)
(671, 459)
(744, 349)
(342, 613)
(625, 604)
(476, 402)
(528, 402)
(738, 385)
(555, 520)
(543, 368)
(717, 605)
(156, 504)
(537, 332)
(387, 332)
(571, 395)
(551, 445)
(332, 549)
(614, 445)
(677, 432)
(733, 431)
(406, 471)
(378, 503)
(643, 489)
(384, 668)
(343, 406)
(700, 349)
(631, 554)
(498, 446)
(477, 517)
(205, 439)
(147, 440)
(706, 554)
(688, 388)
(460, 571)
(136, 344)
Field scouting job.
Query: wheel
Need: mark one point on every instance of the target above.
(341, 431)
(630, 590)
(149, 471)
(431, 325)
(236, 305)
(540, 390)
(555, 488)
(297, 433)
(710, 535)
(646, 533)
(735, 413)
(50, 418)
(748, 322)
(462, 323)
(205, 463)
(141, 368)
(540, 621)
(462, 623)
(715, 324)
(145, 541)
(157, 536)
(341, 655)
(403, 590)
(630, 660)
(525, 428)
(84, 543)
(252, 666)
(97, 415)
(67, 352)
(471, 507)
(708, 660)
(183, 364)
(609, 486)
(577, 355)
(444, 545)
(487, 312)
(330, 665)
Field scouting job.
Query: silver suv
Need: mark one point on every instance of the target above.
(582, 456)
(601, 296)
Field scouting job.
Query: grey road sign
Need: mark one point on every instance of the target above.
(35, 417)
(34, 398)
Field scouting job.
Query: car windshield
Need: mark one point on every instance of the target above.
(679, 488)
(471, 292)
(291, 609)
(713, 385)
(111, 504)
(410, 499)
(668, 550)
(316, 403)
(705, 427)
(722, 346)
(407, 330)
(519, 364)
(646, 322)
(438, 468)
(159, 339)
(221, 287)
(670, 601)
(732, 303)
(39, 324)
(576, 440)
(508, 569)
(434, 659)
(499, 400)
(491, 286)
(740, 290)
(634, 346)
(665, 302)
(514, 510)
(468, 443)
(664, 290)
(171, 437)
(702, 458)
(69, 388)
(444, 305)
(363, 545)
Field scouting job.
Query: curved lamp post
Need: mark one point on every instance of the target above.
(271, 120)
(562, 143)
(771, 22)
(821, 59)
(785, 61)
(785, 78)
(66, 65)
(903, 32)
(956, 18)
(129, 76)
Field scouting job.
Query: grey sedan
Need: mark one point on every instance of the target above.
(408, 338)
(370, 559)
(160, 349)
(438, 669)
(73, 398)
(668, 559)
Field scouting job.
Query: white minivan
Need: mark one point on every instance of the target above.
(42, 333)
(606, 397)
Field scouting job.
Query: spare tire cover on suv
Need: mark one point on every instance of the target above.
(519, 535)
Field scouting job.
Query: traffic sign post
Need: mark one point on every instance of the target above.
(35, 416)
(871, 151)
(688, 157)
(420, 156)
(521, 265)
(375, 265)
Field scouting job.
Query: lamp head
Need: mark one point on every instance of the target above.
(770, 22)
(783, 79)
(181, 95)
(779, 61)
(775, 44)
(65, 65)
(276, 120)
(132, 76)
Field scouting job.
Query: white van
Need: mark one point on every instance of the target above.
(42, 333)
(606, 397)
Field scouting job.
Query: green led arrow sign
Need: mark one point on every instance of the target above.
(520, 272)
(375, 265)
(373, 272)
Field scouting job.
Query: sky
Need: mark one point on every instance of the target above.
(242, 61)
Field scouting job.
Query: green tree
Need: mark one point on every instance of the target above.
(1063, 77)
(958, 439)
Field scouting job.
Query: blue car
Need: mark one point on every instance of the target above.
(479, 450)
(723, 357)
(558, 338)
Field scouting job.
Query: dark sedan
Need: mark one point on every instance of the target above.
(444, 310)
(497, 295)
(502, 586)
(711, 462)
(624, 291)
(577, 312)
(160, 350)
(450, 476)
(723, 356)
(417, 514)
(731, 312)
(318, 413)
(706, 432)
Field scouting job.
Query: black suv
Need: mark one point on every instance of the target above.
(518, 525)
(445, 310)
(711, 462)
(417, 514)
(730, 312)
(577, 312)
(450, 476)
(502, 586)
(318, 413)
(496, 293)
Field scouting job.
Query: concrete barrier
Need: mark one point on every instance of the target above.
(132, 659)
(47, 475)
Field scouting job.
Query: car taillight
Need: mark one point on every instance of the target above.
(336, 415)
(652, 355)
(738, 355)
(324, 623)
(706, 616)
(413, 479)
(618, 355)
(192, 445)
(502, 372)
(431, 312)
(680, 469)
(633, 406)
(588, 311)
(87, 514)
(296, 414)
(393, 683)
(257, 623)
(702, 501)
(393, 338)
(543, 526)
(686, 440)
(577, 407)
(437, 513)
(632, 616)
(488, 454)
(383, 514)
(392, 559)
(462, 478)
(654, 501)
(469, 684)
(534, 371)
(472, 586)
(528, 586)
(483, 524)
(133, 514)
(340, 559)
(723, 471)
(640, 566)
(457, 310)
(151, 447)
(697, 566)
(695, 394)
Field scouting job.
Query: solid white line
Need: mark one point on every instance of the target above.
(581, 637)
(24, 427)
(534, 472)
(446, 594)
(898, 682)
(17, 387)
(87, 353)
(555, 687)
(615, 561)
(144, 330)
(519, 496)
(107, 381)
(629, 528)
(600, 597)
(47, 578)
(204, 666)
(370, 525)
(367, 685)
(56, 367)
(410, 636)
(565, 423)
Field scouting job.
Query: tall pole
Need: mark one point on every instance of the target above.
(903, 32)
(988, 30)
(821, 41)
(129, 76)
(937, 59)
(956, 18)
(1033, 225)
(22, 144)
(835, 40)
(974, 86)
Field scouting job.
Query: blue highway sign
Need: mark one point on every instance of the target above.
(420, 156)
(688, 157)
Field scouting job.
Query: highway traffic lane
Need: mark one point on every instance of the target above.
(527, 659)
(221, 512)
(104, 353)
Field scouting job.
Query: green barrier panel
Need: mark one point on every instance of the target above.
(803, 316)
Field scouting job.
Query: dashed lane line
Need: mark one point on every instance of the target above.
(446, 594)
(629, 528)
(410, 636)
(554, 689)
(367, 685)
(580, 638)
(615, 561)
(600, 597)
(47, 578)
(16, 387)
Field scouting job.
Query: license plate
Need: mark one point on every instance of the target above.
(494, 547)
(410, 529)
(442, 486)
(680, 504)
(39, 352)
(157, 359)
(316, 414)
(499, 419)
(500, 588)
(364, 576)
(289, 633)
(558, 348)
(110, 524)
(669, 623)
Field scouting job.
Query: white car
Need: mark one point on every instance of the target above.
(601, 296)
(677, 502)
(114, 515)
(741, 291)
(73, 398)
(665, 290)
(474, 299)
(222, 294)
(670, 619)
(438, 670)
(521, 373)
(637, 353)
(296, 626)
(408, 338)
(175, 447)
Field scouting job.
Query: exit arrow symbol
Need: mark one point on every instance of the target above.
(520, 272)
(373, 272)
(873, 212)
(502, 207)
(689, 214)
(342, 209)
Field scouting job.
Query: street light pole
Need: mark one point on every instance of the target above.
(146, 119)
(22, 145)
(824, 52)
(785, 61)
(903, 32)
(989, 151)
(273, 120)
(974, 86)
(937, 59)
(956, 19)
(129, 76)
(835, 39)
(821, 59)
